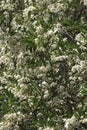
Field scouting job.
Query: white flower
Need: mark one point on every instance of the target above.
(44, 83)
(27, 10)
(70, 123)
(57, 27)
(44, 69)
(17, 76)
(4, 59)
(20, 56)
(14, 24)
(10, 119)
(3, 80)
(84, 120)
(48, 128)
(57, 7)
(46, 94)
(40, 128)
(59, 58)
(3, 49)
(83, 64)
(80, 39)
(77, 68)
(54, 46)
(36, 41)
(1, 88)
(39, 29)
(50, 33)
(85, 2)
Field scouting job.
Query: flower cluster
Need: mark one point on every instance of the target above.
(11, 120)
(71, 124)
(43, 64)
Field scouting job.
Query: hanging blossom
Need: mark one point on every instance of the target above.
(85, 2)
(46, 128)
(71, 123)
(27, 10)
(11, 120)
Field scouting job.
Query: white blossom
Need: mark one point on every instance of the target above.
(77, 68)
(85, 2)
(59, 58)
(27, 10)
(39, 29)
(46, 94)
(71, 123)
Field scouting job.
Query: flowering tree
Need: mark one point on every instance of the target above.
(43, 64)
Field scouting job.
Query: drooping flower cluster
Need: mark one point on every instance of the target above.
(43, 64)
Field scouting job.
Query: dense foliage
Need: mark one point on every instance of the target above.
(43, 64)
